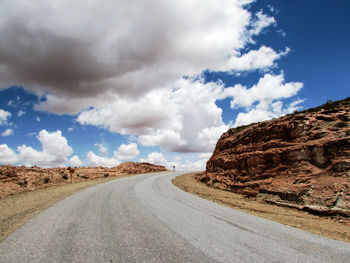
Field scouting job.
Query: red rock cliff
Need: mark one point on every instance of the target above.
(300, 160)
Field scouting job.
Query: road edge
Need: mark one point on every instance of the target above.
(299, 219)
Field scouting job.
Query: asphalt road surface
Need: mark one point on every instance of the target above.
(147, 219)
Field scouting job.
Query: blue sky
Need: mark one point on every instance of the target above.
(108, 81)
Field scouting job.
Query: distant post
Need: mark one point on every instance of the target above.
(71, 171)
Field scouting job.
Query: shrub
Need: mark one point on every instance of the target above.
(106, 175)
(23, 183)
(342, 124)
(64, 176)
(46, 180)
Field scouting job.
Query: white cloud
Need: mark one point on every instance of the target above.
(186, 118)
(126, 72)
(177, 159)
(155, 158)
(265, 111)
(198, 165)
(262, 58)
(75, 161)
(268, 94)
(124, 53)
(7, 132)
(20, 113)
(209, 136)
(269, 88)
(127, 152)
(7, 155)
(95, 160)
(37, 118)
(54, 153)
(159, 159)
(262, 21)
(4, 115)
(102, 148)
(205, 155)
(164, 137)
(170, 118)
(55, 150)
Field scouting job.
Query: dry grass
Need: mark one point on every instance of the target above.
(17, 209)
(292, 217)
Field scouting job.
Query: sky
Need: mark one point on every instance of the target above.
(97, 83)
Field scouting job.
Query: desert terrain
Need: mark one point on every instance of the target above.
(18, 179)
(27, 191)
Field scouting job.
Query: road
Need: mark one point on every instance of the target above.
(147, 219)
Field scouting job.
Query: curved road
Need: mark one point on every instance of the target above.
(147, 219)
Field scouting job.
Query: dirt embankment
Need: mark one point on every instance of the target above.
(18, 179)
(301, 160)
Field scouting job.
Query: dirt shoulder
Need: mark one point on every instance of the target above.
(15, 210)
(318, 225)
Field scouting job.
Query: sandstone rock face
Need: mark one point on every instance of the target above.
(17, 179)
(300, 160)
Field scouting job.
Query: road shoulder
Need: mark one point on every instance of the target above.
(291, 217)
(16, 210)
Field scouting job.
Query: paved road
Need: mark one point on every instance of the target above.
(147, 219)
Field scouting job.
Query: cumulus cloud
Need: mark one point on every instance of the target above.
(186, 118)
(172, 118)
(209, 136)
(159, 159)
(7, 155)
(164, 137)
(7, 132)
(262, 58)
(264, 111)
(124, 152)
(198, 165)
(263, 101)
(127, 151)
(54, 153)
(155, 158)
(95, 160)
(102, 148)
(75, 161)
(134, 67)
(46, 47)
(4, 115)
(269, 88)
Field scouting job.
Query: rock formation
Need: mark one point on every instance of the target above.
(301, 160)
(138, 168)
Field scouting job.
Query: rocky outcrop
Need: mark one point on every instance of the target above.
(300, 160)
(17, 179)
(138, 168)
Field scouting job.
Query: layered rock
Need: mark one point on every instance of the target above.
(300, 160)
